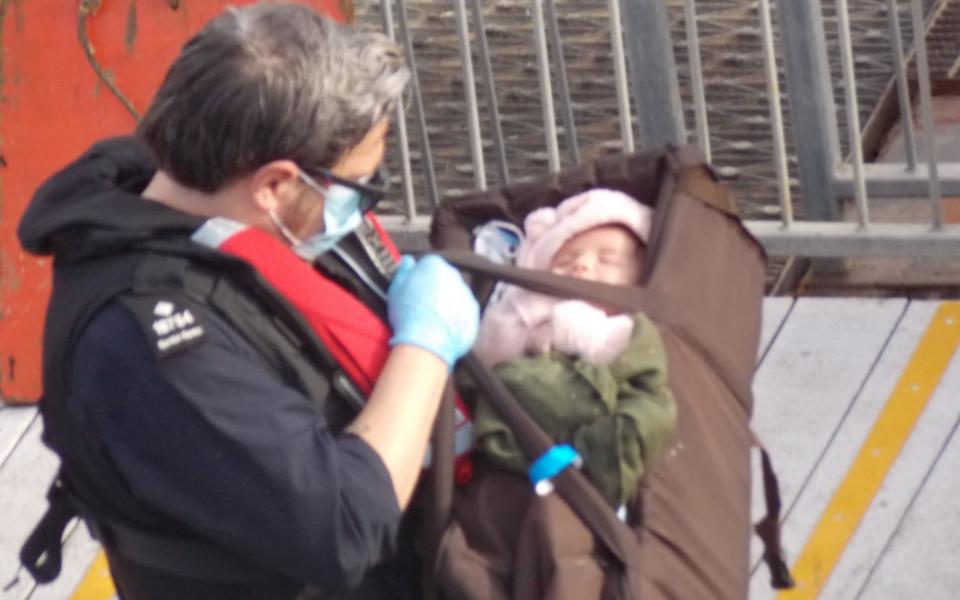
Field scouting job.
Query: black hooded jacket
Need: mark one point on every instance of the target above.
(204, 439)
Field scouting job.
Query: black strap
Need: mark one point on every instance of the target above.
(768, 528)
(182, 557)
(439, 501)
(619, 297)
(41, 554)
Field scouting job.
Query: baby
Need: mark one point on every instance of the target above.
(595, 380)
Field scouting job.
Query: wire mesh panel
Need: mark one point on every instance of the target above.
(553, 76)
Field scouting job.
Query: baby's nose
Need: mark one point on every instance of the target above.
(583, 264)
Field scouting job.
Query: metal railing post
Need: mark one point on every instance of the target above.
(470, 96)
(546, 87)
(853, 116)
(776, 115)
(696, 77)
(620, 75)
(926, 112)
(903, 88)
(812, 106)
(653, 71)
(560, 68)
(493, 107)
(406, 171)
(419, 112)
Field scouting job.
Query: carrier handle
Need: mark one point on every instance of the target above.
(619, 297)
(440, 496)
(582, 497)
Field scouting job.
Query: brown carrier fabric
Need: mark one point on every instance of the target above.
(703, 287)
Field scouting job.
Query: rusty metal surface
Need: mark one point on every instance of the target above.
(70, 73)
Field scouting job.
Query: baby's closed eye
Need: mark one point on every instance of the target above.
(613, 258)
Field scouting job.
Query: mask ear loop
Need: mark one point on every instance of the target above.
(312, 183)
(294, 240)
(289, 235)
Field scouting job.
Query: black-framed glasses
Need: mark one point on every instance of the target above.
(371, 191)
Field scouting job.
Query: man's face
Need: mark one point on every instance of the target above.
(304, 214)
(608, 254)
(364, 158)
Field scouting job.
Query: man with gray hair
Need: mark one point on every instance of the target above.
(240, 394)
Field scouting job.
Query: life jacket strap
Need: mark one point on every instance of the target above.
(42, 554)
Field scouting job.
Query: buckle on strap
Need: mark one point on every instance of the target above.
(550, 464)
(41, 553)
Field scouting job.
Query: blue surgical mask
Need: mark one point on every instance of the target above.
(341, 215)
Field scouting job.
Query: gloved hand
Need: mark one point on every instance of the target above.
(429, 305)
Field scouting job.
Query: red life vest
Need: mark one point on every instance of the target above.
(354, 335)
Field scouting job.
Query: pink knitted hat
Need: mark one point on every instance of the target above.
(547, 229)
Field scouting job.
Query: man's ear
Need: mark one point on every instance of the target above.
(274, 183)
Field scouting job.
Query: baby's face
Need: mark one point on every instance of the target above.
(609, 254)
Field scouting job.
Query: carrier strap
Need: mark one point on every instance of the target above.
(582, 497)
(768, 528)
(619, 297)
(694, 177)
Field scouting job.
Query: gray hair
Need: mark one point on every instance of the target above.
(268, 82)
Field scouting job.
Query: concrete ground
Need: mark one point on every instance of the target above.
(855, 399)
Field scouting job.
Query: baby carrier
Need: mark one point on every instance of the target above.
(703, 286)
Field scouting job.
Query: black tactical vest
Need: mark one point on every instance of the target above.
(167, 264)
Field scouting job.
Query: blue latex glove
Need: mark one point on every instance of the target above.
(429, 305)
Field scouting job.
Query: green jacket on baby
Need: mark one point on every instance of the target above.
(618, 416)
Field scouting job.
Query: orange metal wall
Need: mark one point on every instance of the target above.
(53, 105)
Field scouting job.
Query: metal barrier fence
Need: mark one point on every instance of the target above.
(640, 40)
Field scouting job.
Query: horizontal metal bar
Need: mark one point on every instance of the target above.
(892, 180)
(821, 239)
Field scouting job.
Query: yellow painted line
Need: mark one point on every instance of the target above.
(97, 583)
(884, 442)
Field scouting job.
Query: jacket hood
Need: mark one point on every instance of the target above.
(94, 205)
(547, 229)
